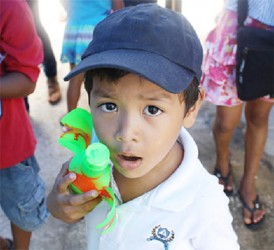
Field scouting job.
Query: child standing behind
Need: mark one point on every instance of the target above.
(142, 75)
(22, 191)
(82, 17)
(49, 63)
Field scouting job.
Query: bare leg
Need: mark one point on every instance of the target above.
(257, 113)
(21, 238)
(74, 91)
(226, 120)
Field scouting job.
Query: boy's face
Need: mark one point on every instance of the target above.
(139, 122)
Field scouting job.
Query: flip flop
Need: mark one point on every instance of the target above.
(11, 244)
(257, 206)
(54, 92)
(224, 179)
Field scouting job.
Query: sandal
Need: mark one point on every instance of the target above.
(224, 179)
(257, 206)
(54, 92)
(11, 245)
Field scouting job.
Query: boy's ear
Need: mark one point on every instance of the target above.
(191, 115)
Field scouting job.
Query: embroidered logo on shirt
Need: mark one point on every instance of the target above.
(163, 235)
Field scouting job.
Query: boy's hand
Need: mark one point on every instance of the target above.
(66, 206)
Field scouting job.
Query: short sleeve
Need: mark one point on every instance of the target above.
(20, 45)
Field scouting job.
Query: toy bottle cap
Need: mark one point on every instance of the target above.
(97, 154)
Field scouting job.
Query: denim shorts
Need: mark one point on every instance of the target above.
(22, 195)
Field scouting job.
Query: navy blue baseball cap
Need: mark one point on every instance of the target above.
(154, 42)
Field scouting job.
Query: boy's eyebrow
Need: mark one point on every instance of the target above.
(102, 93)
(156, 96)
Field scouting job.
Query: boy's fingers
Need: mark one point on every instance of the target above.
(76, 213)
(63, 184)
(64, 169)
(63, 181)
(80, 199)
(77, 200)
(89, 206)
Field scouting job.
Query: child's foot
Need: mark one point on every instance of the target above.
(225, 180)
(6, 244)
(253, 212)
(54, 91)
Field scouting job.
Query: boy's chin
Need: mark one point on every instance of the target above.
(129, 173)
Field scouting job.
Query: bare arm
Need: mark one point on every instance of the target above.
(66, 206)
(15, 85)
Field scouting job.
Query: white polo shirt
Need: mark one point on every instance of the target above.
(189, 210)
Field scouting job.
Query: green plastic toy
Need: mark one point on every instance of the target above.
(90, 162)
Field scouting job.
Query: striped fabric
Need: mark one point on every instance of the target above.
(76, 40)
(261, 10)
(83, 16)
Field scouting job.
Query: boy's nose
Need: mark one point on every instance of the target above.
(127, 130)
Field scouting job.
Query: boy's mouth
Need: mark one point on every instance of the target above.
(129, 162)
(130, 158)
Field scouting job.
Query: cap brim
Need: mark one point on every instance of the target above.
(155, 68)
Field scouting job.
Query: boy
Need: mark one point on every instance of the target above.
(142, 72)
(22, 191)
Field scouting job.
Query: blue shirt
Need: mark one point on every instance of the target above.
(87, 12)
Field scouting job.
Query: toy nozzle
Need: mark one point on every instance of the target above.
(97, 154)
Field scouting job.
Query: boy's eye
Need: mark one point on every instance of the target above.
(108, 107)
(152, 110)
